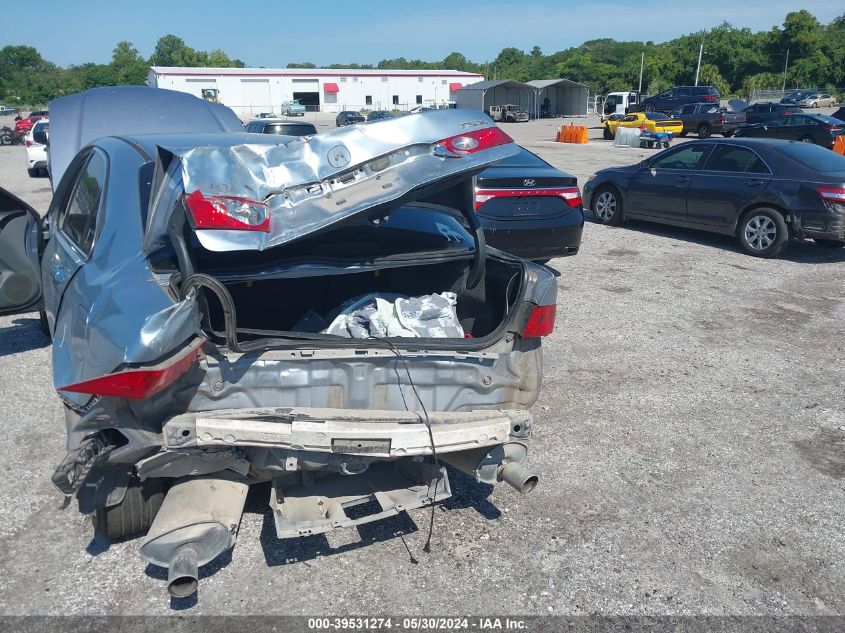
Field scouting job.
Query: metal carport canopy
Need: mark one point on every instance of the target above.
(483, 94)
(567, 97)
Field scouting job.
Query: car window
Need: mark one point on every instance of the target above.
(688, 156)
(813, 156)
(523, 158)
(829, 120)
(656, 116)
(733, 158)
(684, 92)
(630, 117)
(78, 219)
(289, 129)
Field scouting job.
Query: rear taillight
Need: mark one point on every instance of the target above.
(832, 194)
(475, 141)
(138, 384)
(832, 128)
(541, 322)
(709, 98)
(225, 212)
(572, 195)
(722, 118)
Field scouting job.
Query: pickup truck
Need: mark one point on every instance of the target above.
(707, 118)
(293, 108)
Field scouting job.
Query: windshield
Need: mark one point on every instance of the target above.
(656, 116)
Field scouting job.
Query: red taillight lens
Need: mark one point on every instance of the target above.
(224, 212)
(572, 195)
(541, 322)
(475, 140)
(137, 384)
(833, 194)
(709, 98)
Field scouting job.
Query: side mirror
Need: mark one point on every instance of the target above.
(40, 137)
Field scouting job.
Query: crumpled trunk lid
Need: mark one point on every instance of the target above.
(311, 183)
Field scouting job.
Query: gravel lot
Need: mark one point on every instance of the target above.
(690, 440)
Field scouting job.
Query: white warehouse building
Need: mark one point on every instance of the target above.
(249, 91)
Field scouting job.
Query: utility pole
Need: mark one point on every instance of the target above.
(700, 51)
(785, 67)
(642, 62)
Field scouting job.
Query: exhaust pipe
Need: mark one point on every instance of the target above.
(197, 522)
(183, 575)
(518, 477)
(501, 463)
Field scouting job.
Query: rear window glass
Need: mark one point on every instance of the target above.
(289, 129)
(656, 116)
(814, 157)
(523, 159)
(829, 120)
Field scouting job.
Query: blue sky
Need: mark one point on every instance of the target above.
(365, 31)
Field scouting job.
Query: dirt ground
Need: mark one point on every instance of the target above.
(690, 440)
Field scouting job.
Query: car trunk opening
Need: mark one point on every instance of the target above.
(293, 307)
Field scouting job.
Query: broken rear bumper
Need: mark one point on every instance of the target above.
(380, 434)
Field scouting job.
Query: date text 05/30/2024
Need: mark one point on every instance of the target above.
(416, 624)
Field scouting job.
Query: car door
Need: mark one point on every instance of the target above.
(74, 216)
(731, 179)
(21, 244)
(659, 188)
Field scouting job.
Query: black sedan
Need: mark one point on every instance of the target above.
(762, 191)
(807, 128)
(379, 115)
(348, 117)
(529, 208)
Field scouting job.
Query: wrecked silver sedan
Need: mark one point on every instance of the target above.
(227, 309)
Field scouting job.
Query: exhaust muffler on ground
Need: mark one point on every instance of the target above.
(197, 522)
(490, 466)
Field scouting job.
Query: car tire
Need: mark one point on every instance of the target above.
(816, 104)
(703, 131)
(807, 139)
(729, 133)
(34, 173)
(606, 134)
(762, 232)
(649, 108)
(607, 206)
(133, 515)
(5, 139)
(829, 243)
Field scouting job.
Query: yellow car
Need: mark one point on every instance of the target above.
(651, 121)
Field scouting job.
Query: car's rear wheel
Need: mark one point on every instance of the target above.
(649, 108)
(703, 130)
(763, 232)
(608, 136)
(829, 243)
(807, 139)
(135, 513)
(34, 173)
(607, 206)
